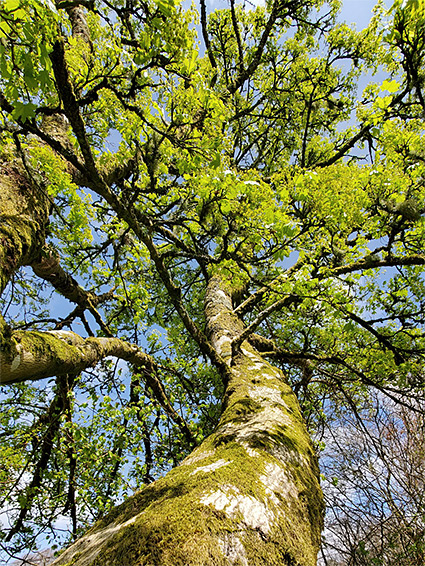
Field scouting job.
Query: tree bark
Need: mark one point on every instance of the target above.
(248, 495)
(24, 213)
(31, 355)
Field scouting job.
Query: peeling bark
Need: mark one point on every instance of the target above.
(248, 495)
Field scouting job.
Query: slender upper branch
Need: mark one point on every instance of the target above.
(47, 267)
(206, 36)
(363, 132)
(247, 72)
(237, 35)
(383, 340)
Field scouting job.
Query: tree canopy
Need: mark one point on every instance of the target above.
(184, 191)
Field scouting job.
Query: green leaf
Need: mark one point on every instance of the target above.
(216, 162)
(10, 5)
(390, 86)
(5, 29)
(166, 7)
(24, 110)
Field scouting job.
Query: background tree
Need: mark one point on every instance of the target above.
(206, 215)
(376, 504)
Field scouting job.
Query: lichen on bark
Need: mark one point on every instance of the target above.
(248, 495)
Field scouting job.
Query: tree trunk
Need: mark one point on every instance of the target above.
(248, 495)
(24, 213)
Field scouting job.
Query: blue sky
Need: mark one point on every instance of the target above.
(353, 11)
(358, 11)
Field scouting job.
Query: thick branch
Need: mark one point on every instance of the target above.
(47, 267)
(244, 335)
(175, 296)
(62, 147)
(266, 346)
(78, 21)
(37, 355)
(371, 261)
(24, 210)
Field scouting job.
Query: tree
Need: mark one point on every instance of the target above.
(217, 199)
(376, 503)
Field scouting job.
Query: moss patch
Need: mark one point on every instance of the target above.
(24, 214)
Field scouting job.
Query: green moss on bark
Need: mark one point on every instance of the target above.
(24, 213)
(35, 355)
(174, 528)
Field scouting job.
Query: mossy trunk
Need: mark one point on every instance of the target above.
(24, 212)
(247, 496)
